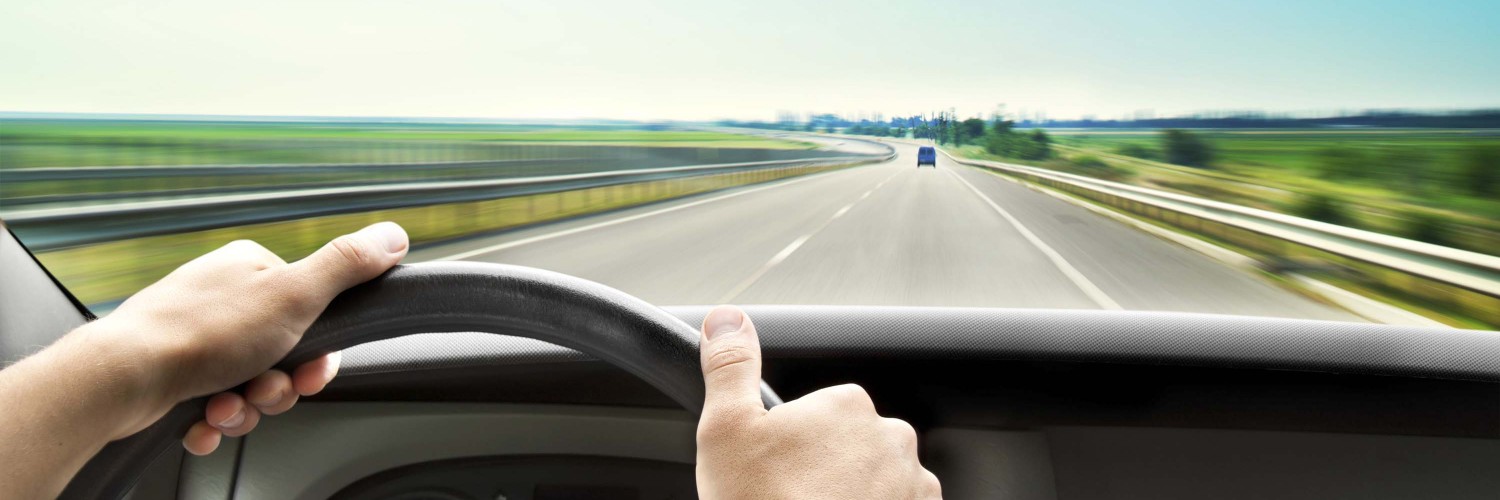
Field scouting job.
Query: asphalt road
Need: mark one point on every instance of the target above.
(886, 234)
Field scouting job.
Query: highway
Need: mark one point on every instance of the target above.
(886, 234)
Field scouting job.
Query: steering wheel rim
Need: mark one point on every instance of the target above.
(572, 312)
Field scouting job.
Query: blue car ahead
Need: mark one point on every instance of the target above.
(926, 155)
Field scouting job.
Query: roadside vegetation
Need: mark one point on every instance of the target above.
(109, 271)
(71, 143)
(1437, 186)
(1001, 140)
(403, 152)
(877, 130)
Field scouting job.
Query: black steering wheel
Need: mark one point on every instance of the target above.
(456, 297)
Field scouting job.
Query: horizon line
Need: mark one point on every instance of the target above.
(804, 117)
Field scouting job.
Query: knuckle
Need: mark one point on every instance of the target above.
(729, 356)
(934, 486)
(241, 245)
(252, 252)
(351, 250)
(851, 394)
(903, 430)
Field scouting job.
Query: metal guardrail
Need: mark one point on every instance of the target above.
(33, 186)
(1462, 280)
(48, 229)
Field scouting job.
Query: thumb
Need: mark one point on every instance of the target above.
(354, 258)
(730, 350)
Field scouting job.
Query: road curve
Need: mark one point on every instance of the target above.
(886, 234)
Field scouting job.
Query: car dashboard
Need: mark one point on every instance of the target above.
(478, 416)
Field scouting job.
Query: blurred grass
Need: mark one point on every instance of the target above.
(1278, 170)
(421, 152)
(17, 128)
(68, 143)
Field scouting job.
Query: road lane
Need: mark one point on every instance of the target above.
(920, 240)
(690, 256)
(886, 234)
(1138, 270)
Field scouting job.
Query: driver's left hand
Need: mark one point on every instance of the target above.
(226, 318)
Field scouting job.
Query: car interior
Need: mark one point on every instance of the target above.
(486, 381)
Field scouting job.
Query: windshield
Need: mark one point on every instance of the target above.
(1323, 160)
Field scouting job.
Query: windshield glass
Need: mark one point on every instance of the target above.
(1323, 160)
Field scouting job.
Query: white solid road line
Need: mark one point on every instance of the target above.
(775, 259)
(1078, 279)
(795, 244)
(543, 237)
(787, 252)
(765, 268)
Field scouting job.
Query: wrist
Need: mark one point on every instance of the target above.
(122, 377)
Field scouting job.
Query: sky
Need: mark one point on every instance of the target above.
(704, 60)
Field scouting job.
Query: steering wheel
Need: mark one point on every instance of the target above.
(456, 297)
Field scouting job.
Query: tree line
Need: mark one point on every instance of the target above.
(1477, 118)
(1480, 118)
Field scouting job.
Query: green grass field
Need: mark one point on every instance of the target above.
(208, 130)
(1409, 179)
(67, 143)
(76, 143)
(1275, 151)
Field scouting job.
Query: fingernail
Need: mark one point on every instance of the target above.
(234, 420)
(332, 368)
(722, 320)
(388, 235)
(271, 401)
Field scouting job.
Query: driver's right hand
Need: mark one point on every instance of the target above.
(829, 444)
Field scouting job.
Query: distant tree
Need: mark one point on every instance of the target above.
(1002, 144)
(1040, 136)
(1038, 146)
(943, 129)
(898, 132)
(1090, 164)
(1093, 166)
(1481, 171)
(828, 129)
(1030, 149)
(1002, 126)
(877, 130)
(972, 128)
(1034, 146)
(1431, 228)
(1185, 148)
(1322, 207)
(1137, 150)
(1342, 163)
